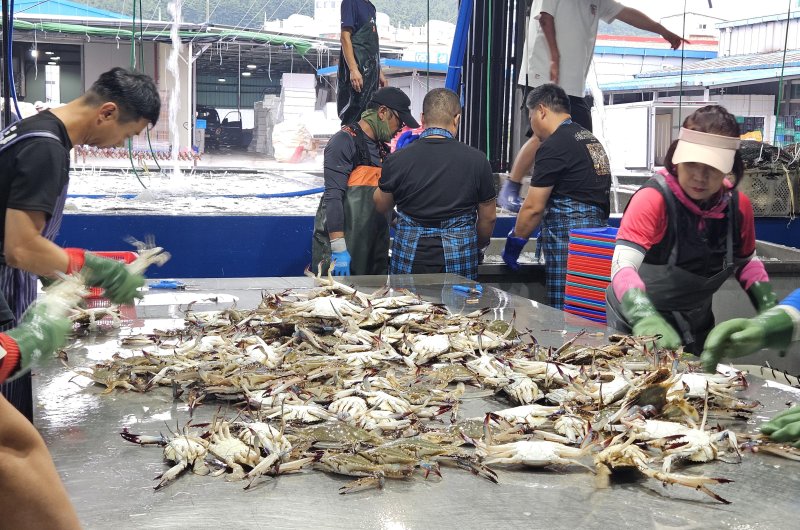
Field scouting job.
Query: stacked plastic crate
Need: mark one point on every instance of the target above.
(95, 298)
(589, 271)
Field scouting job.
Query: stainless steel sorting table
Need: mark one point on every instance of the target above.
(111, 481)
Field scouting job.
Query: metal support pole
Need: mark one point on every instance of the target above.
(239, 84)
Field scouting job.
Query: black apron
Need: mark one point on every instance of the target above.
(683, 298)
(19, 287)
(366, 232)
(349, 103)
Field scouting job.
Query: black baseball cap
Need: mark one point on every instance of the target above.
(396, 99)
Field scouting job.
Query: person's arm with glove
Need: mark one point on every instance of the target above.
(40, 333)
(119, 284)
(637, 308)
(775, 328)
(508, 198)
(27, 249)
(784, 427)
(529, 218)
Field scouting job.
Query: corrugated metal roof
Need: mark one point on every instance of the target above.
(701, 80)
(755, 61)
(62, 8)
(757, 20)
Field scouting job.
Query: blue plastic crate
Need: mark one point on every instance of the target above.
(607, 232)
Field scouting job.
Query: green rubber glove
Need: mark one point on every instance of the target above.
(120, 285)
(762, 296)
(645, 320)
(39, 333)
(784, 427)
(742, 336)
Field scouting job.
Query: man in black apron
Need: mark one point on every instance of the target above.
(359, 61)
(34, 174)
(347, 228)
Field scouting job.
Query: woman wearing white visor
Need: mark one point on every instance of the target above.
(682, 235)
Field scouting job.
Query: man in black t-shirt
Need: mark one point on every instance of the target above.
(34, 173)
(569, 188)
(444, 194)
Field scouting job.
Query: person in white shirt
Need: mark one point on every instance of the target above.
(558, 49)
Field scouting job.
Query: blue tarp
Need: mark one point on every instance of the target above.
(395, 63)
(63, 8)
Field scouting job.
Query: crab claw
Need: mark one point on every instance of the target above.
(431, 467)
(362, 484)
(142, 439)
(476, 468)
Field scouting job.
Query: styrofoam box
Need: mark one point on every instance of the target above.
(299, 81)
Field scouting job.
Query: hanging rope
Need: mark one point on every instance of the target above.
(780, 79)
(133, 67)
(488, 82)
(141, 62)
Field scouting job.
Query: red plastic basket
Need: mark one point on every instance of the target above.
(589, 294)
(591, 282)
(125, 256)
(597, 251)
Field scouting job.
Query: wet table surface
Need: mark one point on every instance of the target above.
(111, 481)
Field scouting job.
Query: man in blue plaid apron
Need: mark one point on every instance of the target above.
(569, 188)
(444, 193)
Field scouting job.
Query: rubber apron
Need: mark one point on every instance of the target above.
(349, 103)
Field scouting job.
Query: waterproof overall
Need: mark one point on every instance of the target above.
(18, 288)
(459, 241)
(683, 298)
(366, 232)
(349, 103)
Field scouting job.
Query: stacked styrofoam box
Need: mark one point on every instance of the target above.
(298, 96)
(589, 271)
(264, 112)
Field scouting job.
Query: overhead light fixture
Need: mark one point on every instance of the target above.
(221, 79)
(48, 53)
(246, 74)
(251, 67)
(34, 52)
(52, 63)
(55, 58)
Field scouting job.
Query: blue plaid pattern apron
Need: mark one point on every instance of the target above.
(562, 215)
(18, 287)
(459, 241)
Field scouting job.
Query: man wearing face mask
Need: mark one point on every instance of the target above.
(347, 228)
(444, 193)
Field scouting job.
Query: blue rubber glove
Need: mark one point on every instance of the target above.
(509, 196)
(513, 249)
(405, 139)
(342, 265)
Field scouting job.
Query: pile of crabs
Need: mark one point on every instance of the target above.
(369, 386)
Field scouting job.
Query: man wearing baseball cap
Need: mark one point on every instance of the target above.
(683, 234)
(348, 231)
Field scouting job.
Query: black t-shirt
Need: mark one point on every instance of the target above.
(435, 179)
(356, 13)
(575, 164)
(34, 171)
